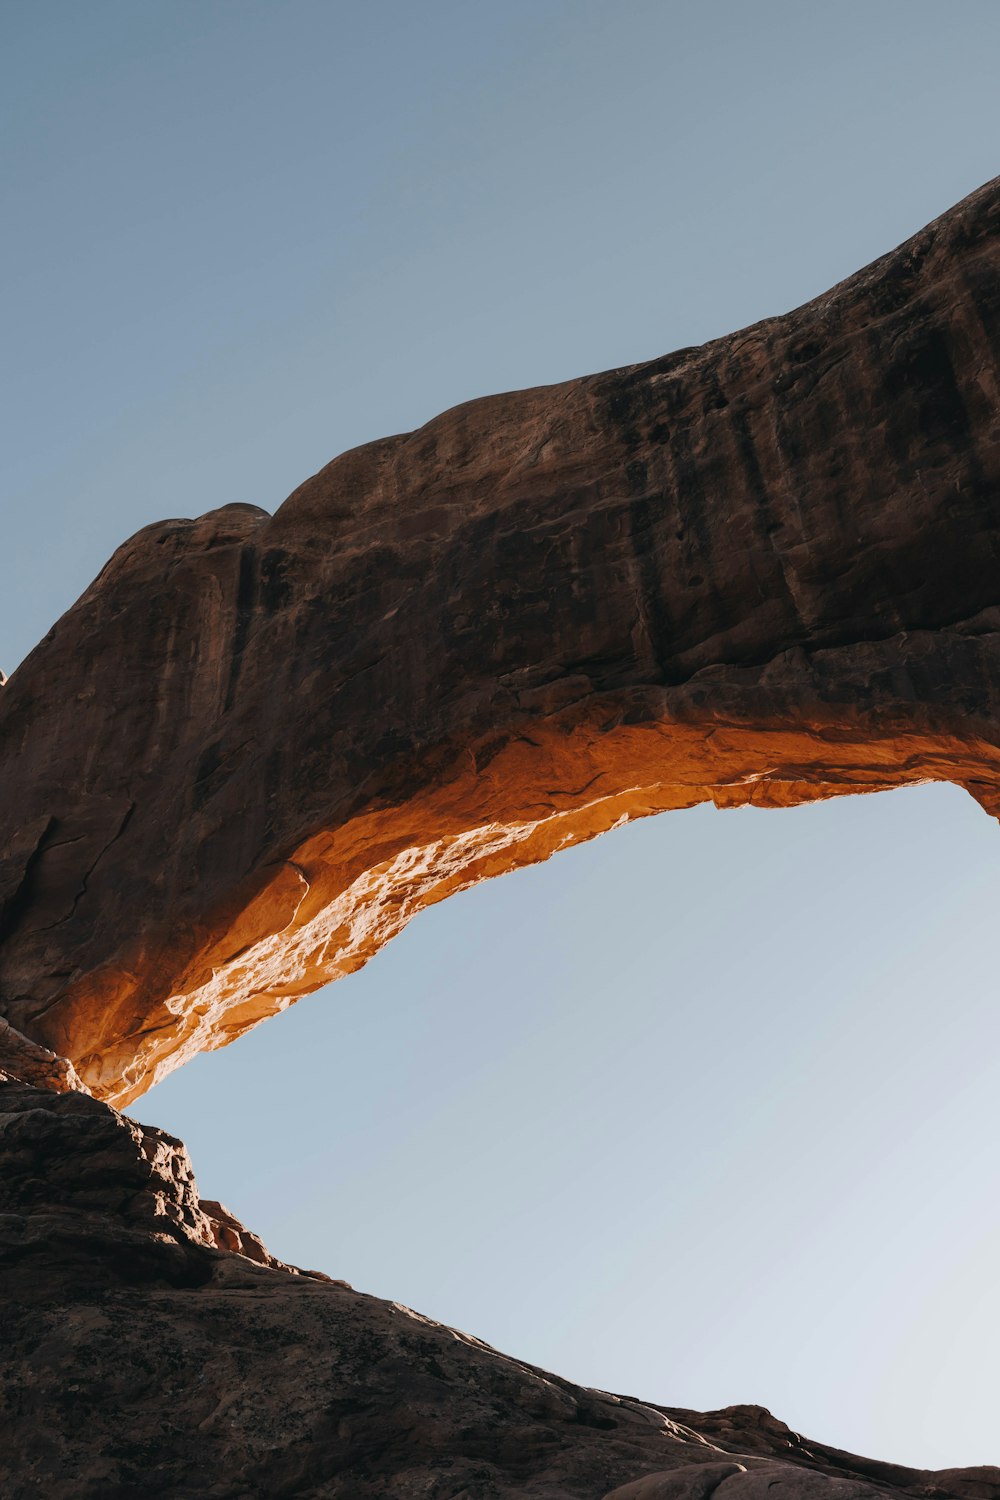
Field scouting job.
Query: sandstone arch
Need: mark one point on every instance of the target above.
(765, 569)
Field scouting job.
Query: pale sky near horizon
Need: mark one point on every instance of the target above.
(706, 1111)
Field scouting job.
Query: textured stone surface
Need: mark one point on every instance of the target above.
(78, 1181)
(138, 1359)
(762, 570)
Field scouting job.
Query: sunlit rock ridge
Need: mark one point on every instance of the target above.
(764, 570)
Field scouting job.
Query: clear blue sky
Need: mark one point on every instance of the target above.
(706, 1111)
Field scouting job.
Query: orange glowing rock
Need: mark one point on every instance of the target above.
(765, 570)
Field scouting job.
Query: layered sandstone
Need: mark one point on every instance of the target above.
(763, 570)
(151, 1348)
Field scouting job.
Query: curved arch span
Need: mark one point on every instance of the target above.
(762, 570)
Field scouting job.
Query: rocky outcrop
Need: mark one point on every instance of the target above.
(763, 570)
(145, 1353)
(89, 1190)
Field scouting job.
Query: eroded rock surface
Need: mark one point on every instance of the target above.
(138, 1359)
(762, 570)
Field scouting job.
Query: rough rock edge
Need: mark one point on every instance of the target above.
(151, 1346)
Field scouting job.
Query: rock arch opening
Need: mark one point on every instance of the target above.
(732, 1070)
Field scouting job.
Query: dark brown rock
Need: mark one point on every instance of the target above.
(763, 570)
(74, 1173)
(138, 1359)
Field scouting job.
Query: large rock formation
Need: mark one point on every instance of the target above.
(765, 569)
(152, 1350)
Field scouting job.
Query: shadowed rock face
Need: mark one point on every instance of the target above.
(147, 1354)
(763, 570)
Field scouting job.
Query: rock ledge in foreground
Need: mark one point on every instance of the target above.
(151, 1347)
